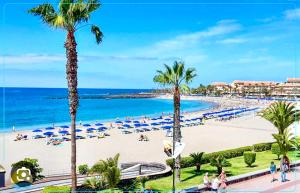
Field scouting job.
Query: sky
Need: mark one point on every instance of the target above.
(236, 40)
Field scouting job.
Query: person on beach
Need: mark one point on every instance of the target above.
(273, 170)
(13, 129)
(215, 184)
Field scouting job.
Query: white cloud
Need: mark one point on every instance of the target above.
(292, 14)
(233, 41)
(31, 59)
(222, 27)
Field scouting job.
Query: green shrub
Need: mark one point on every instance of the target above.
(57, 189)
(95, 183)
(83, 169)
(262, 147)
(249, 158)
(219, 162)
(231, 153)
(276, 150)
(32, 165)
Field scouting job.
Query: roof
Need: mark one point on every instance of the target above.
(293, 80)
(254, 83)
(2, 168)
(219, 84)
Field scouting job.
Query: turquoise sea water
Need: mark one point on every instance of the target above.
(30, 108)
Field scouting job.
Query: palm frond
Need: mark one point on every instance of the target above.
(98, 34)
(46, 12)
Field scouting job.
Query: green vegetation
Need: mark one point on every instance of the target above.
(276, 150)
(190, 178)
(231, 153)
(32, 165)
(197, 160)
(249, 158)
(281, 114)
(285, 141)
(70, 16)
(176, 77)
(109, 171)
(220, 162)
(58, 189)
(83, 169)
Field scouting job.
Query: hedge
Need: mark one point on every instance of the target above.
(231, 153)
(262, 147)
(57, 189)
(249, 158)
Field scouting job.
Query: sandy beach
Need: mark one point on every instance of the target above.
(212, 136)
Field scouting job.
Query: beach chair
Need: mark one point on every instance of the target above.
(66, 139)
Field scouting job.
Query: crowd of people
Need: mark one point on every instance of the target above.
(217, 183)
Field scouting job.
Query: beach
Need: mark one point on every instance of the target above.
(212, 136)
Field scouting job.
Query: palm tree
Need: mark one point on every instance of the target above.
(109, 170)
(70, 16)
(177, 77)
(285, 141)
(281, 115)
(197, 160)
(219, 162)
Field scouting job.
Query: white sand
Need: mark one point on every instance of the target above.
(212, 136)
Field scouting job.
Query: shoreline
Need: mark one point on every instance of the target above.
(23, 129)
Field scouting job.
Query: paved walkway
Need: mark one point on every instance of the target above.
(264, 185)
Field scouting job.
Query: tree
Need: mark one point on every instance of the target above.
(281, 115)
(285, 141)
(276, 150)
(177, 77)
(108, 170)
(70, 16)
(219, 162)
(197, 160)
(32, 165)
(210, 89)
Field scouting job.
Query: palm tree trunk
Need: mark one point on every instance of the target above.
(71, 68)
(177, 132)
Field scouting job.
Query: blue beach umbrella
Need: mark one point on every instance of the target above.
(154, 119)
(64, 126)
(168, 119)
(136, 121)
(144, 124)
(102, 128)
(37, 130)
(118, 122)
(126, 125)
(155, 124)
(63, 132)
(49, 133)
(98, 124)
(127, 121)
(49, 128)
(78, 130)
(86, 125)
(90, 129)
(166, 127)
(137, 125)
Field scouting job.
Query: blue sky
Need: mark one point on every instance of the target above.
(237, 40)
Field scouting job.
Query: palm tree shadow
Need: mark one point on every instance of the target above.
(195, 174)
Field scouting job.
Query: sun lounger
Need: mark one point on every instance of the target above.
(38, 137)
(66, 139)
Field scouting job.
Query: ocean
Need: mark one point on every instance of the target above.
(31, 108)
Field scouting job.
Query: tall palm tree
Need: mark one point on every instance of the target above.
(177, 77)
(281, 115)
(70, 16)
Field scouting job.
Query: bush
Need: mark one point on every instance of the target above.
(262, 147)
(249, 158)
(83, 169)
(32, 165)
(276, 150)
(60, 189)
(95, 183)
(220, 162)
(231, 153)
